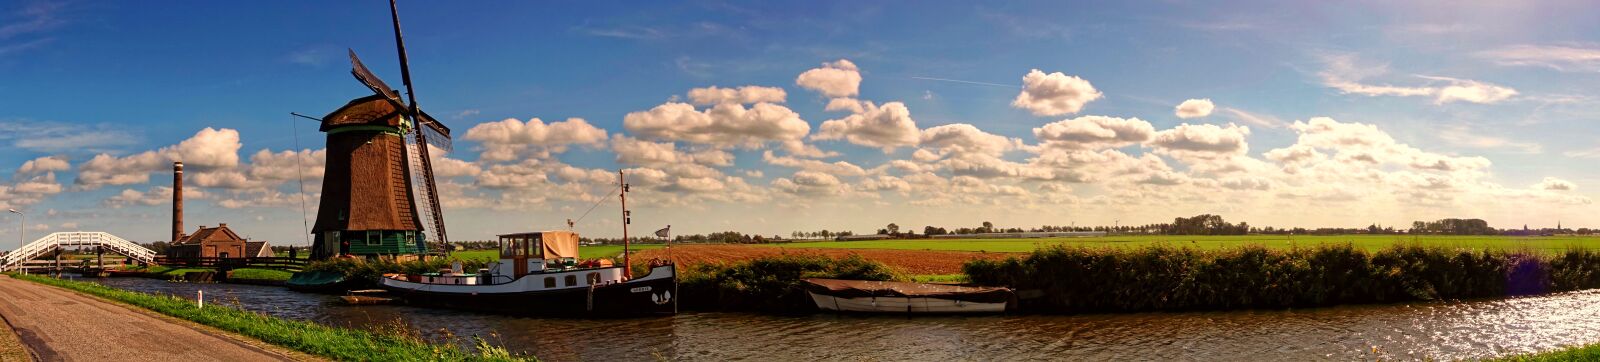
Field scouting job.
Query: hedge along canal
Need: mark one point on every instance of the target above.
(1084, 280)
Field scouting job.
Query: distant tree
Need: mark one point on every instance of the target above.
(892, 228)
(988, 227)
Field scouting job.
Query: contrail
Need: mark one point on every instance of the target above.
(969, 82)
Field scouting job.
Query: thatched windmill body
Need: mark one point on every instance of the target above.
(378, 191)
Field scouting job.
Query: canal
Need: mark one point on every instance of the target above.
(1444, 330)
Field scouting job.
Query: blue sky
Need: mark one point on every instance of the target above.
(1430, 110)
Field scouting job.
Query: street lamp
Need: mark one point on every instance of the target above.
(22, 237)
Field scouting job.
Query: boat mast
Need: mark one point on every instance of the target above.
(627, 267)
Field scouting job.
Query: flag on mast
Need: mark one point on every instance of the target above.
(664, 232)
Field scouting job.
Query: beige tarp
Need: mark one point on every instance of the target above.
(560, 244)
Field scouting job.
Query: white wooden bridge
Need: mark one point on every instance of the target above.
(43, 246)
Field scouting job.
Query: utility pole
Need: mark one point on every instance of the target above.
(627, 267)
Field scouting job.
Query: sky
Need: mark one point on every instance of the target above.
(772, 118)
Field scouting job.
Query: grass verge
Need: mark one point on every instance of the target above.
(334, 343)
(1580, 353)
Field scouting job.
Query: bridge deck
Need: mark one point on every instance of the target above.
(57, 324)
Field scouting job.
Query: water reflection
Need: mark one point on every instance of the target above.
(1459, 330)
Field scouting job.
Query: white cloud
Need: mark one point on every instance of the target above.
(886, 127)
(741, 95)
(45, 164)
(1555, 184)
(507, 139)
(1094, 132)
(962, 138)
(1566, 58)
(723, 125)
(839, 168)
(1202, 140)
(208, 149)
(1465, 136)
(810, 183)
(1194, 108)
(838, 79)
(288, 165)
(1054, 94)
(1345, 75)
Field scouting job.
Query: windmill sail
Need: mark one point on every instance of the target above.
(372, 82)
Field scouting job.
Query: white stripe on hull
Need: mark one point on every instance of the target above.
(903, 305)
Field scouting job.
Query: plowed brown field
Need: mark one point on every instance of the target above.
(914, 262)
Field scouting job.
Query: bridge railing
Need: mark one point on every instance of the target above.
(108, 243)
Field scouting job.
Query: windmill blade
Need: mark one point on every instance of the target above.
(372, 82)
(437, 134)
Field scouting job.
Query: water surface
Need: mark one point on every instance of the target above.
(1444, 330)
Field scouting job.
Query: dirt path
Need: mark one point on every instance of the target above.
(910, 261)
(56, 324)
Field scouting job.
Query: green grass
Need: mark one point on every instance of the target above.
(242, 273)
(588, 252)
(1580, 353)
(1542, 245)
(334, 343)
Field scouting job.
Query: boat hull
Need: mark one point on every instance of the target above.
(654, 294)
(903, 305)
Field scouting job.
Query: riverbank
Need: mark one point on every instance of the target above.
(307, 337)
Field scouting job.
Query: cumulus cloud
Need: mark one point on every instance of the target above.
(1358, 143)
(288, 165)
(837, 79)
(723, 125)
(1054, 94)
(1094, 132)
(1555, 184)
(839, 168)
(1202, 140)
(962, 138)
(508, 139)
(1194, 108)
(887, 127)
(810, 183)
(45, 164)
(741, 95)
(207, 149)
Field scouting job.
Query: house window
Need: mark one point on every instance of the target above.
(549, 282)
(374, 238)
(572, 280)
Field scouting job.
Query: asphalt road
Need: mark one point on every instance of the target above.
(60, 325)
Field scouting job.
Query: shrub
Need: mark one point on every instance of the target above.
(770, 284)
(1075, 279)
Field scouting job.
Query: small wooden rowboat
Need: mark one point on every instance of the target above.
(899, 297)
(367, 297)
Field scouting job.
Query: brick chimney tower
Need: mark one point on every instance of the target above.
(177, 201)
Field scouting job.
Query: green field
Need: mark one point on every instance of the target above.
(587, 252)
(1545, 244)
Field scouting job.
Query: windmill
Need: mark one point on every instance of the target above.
(379, 194)
(426, 131)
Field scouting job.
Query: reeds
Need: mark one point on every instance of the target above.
(1076, 279)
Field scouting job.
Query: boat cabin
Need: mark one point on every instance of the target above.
(539, 252)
